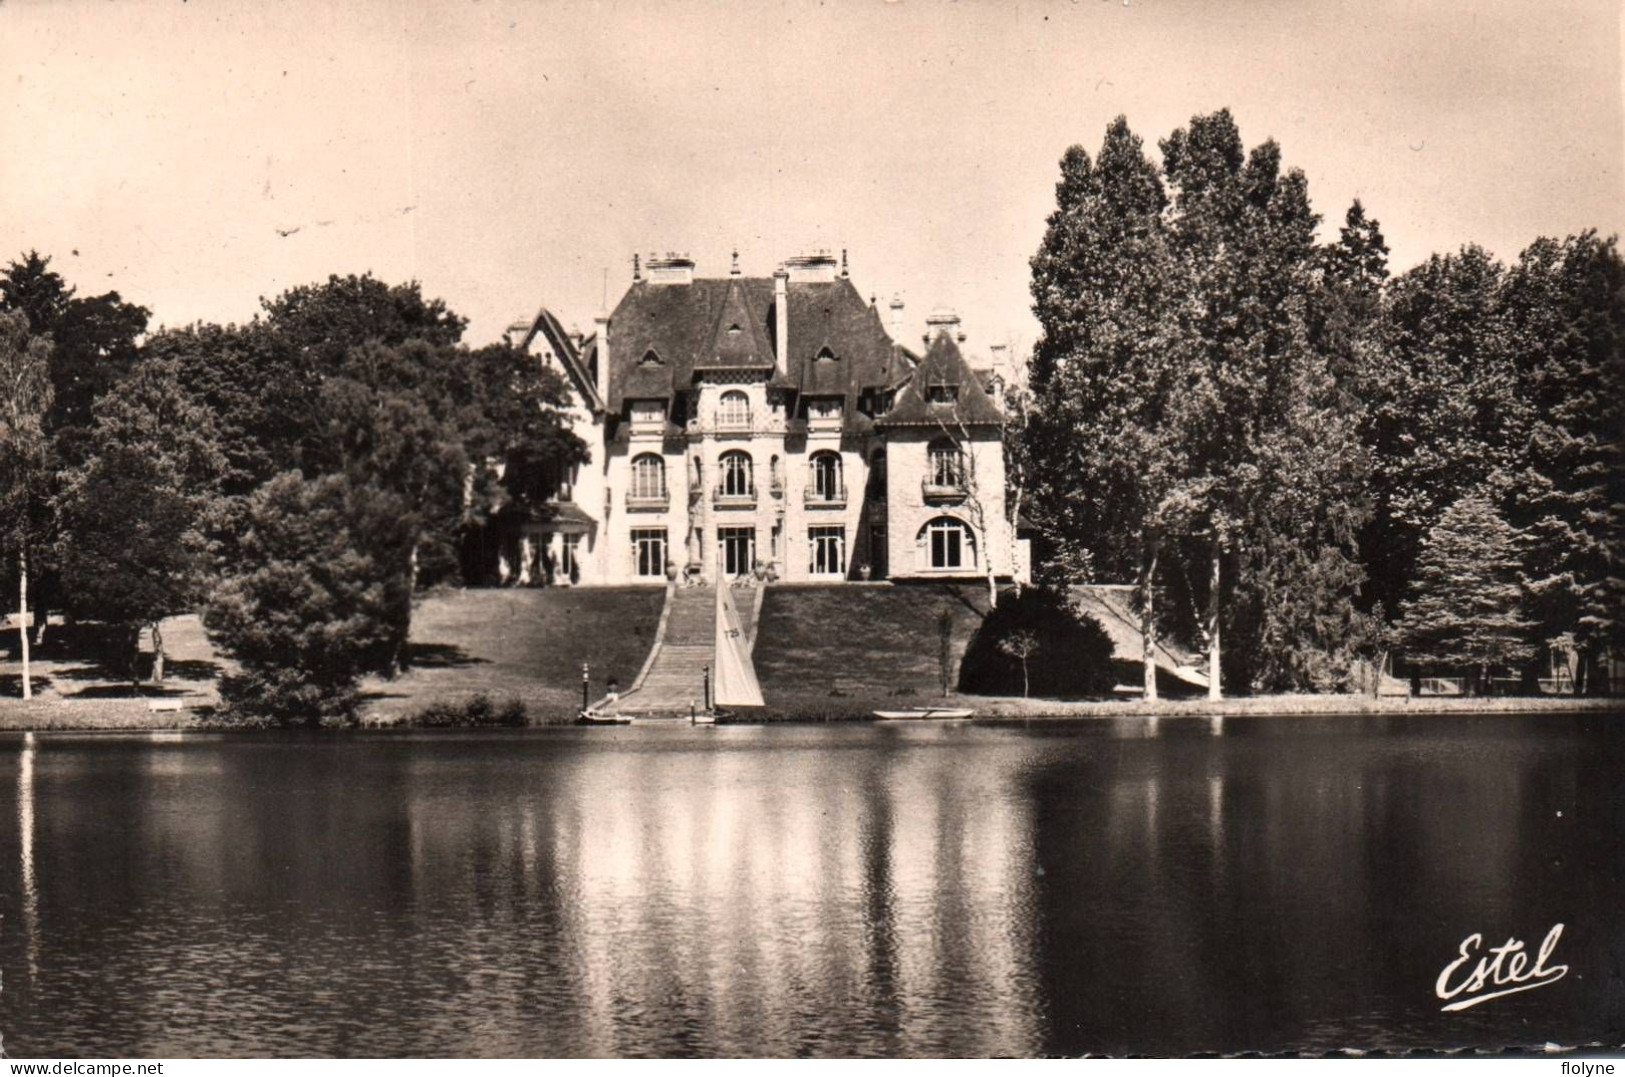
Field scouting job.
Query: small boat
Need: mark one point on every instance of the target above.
(592, 717)
(675, 719)
(926, 712)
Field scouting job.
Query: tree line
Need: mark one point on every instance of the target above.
(1303, 462)
(298, 478)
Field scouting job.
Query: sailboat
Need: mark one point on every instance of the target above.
(735, 684)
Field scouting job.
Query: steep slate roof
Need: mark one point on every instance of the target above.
(687, 326)
(943, 365)
(739, 341)
(578, 366)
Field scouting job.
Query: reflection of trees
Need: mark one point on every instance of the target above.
(1259, 889)
(800, 890)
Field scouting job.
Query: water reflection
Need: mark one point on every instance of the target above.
(816, 891)
(25, 852)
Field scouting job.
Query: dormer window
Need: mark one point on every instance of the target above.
(875, 403)
(650, 358)
(824, 411)
(734, 330)
(648, 414)
(942, 394)
(825, 355)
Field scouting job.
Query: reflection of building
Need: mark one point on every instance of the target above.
(770, 424)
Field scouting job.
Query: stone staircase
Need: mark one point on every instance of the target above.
(676, 678)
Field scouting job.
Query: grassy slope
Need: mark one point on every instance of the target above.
(840, 650)
(521, 643)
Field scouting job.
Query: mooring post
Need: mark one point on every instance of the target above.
(586, 672)
(707, 687)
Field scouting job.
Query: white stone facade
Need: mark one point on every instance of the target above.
(712, 455)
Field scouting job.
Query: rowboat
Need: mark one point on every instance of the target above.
(592, 717)
(926, 712)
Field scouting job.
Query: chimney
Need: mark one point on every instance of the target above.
(940, 321)
(601, 375)
(673, 268)
(897, 319)
(815, 268)
(781, 318)
(733, 270)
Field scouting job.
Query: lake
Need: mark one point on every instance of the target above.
(1158, 886)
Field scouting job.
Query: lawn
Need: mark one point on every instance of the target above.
(80, 679)
(511, 643)
(520, 643)
(842, 650)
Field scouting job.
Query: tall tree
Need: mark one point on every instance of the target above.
(1104, 465)
(93, 342)
(1445, 416)
(1564, 308)
(1274, 468)
(135, 516)
(1468, 602)
(95, 338)
(25, 399)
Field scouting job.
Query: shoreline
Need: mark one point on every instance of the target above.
(58, 717)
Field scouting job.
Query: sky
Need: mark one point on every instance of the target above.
(197, 156)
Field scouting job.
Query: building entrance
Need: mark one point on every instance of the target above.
(737, 548)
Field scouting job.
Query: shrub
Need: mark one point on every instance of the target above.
(476, 710)
(1067, 656)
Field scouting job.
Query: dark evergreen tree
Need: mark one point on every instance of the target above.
(314, 600)
(1467, 604)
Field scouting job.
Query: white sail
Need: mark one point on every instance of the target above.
(736, 677)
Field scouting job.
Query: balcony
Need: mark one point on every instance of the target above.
(831, 496)
(716, 427)
(953, 489)
(733, 499)
(648, 502)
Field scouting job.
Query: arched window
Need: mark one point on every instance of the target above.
(648, 476)
(736, 476)
(947, 543)
(826, 482)
(733, 409)
(945, 463)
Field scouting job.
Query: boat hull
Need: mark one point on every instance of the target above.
(919, 713)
